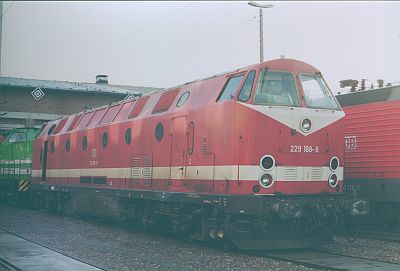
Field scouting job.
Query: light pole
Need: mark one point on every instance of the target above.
(261, 26)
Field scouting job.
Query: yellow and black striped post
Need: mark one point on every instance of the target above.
(23, 185)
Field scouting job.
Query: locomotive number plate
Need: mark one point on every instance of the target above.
(300, 148)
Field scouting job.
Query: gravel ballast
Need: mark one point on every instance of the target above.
(115, 248)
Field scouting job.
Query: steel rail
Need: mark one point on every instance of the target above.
(7, 265)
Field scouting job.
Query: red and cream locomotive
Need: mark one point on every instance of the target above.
(253, 156)
(372, 148)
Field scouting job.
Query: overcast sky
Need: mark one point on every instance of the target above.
(163, 44)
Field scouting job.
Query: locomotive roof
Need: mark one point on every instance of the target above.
(75, 86)
(209, 87)
(369, 96)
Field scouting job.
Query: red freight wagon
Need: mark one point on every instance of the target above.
(253, 156)
(372, 147)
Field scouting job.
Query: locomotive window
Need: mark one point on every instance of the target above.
(317, 93)
(276, 88)
(52, 147)
(230, 88)
(84, 143)
(68, 145)
(104, 140)
(60, 126)
(245, 92)
(128, 136)
(111, 113)
(97, 117)
(139, 105)
(17, 137)
(159, 131)
(74, 122)
(184, 97)
(52, 128)
(165, 101)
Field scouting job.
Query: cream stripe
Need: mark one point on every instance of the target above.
(26, 161)
(281, 173)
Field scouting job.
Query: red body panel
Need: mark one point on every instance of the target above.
(372, 133)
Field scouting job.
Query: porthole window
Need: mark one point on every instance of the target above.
(159, 131)
(84, 143)
(104, 140)
(68, 145)
(52, 147)
(184, 97)
(128, 136)
(51, 130)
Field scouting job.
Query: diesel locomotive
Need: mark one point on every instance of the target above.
(252, 157)
(16, 163)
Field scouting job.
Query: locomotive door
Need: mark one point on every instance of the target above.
(178, 150)
(44, 161)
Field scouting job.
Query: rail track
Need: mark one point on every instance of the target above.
(328, 261)
(380, 233)
(6, 265)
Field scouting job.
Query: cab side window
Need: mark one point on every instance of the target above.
(245, 92)
(230, 88)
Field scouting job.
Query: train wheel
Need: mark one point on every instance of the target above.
(350, 228)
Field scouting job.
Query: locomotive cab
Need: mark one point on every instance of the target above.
(296, 131)
(285, 88)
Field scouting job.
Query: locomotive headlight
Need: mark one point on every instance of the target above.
(305, 125)
(266, 180)
(333, 180)
(267, 162)
(334, 163)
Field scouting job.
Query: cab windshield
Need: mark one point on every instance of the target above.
(317, 93)
(276, 88)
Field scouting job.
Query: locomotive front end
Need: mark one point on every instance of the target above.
(292, 155)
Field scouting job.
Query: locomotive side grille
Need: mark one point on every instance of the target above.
(147, 168)
(204, 144)
(136, 170)
(292, 173)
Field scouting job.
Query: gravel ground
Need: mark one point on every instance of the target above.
(114, 248)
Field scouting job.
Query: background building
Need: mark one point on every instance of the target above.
(30, 102)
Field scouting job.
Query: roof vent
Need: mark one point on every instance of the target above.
(101, 79)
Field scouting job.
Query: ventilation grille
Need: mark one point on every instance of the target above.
(142, 169)
(292, 173)
(316, 173)
(204, 144)
(136, 169)
(147, 169)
